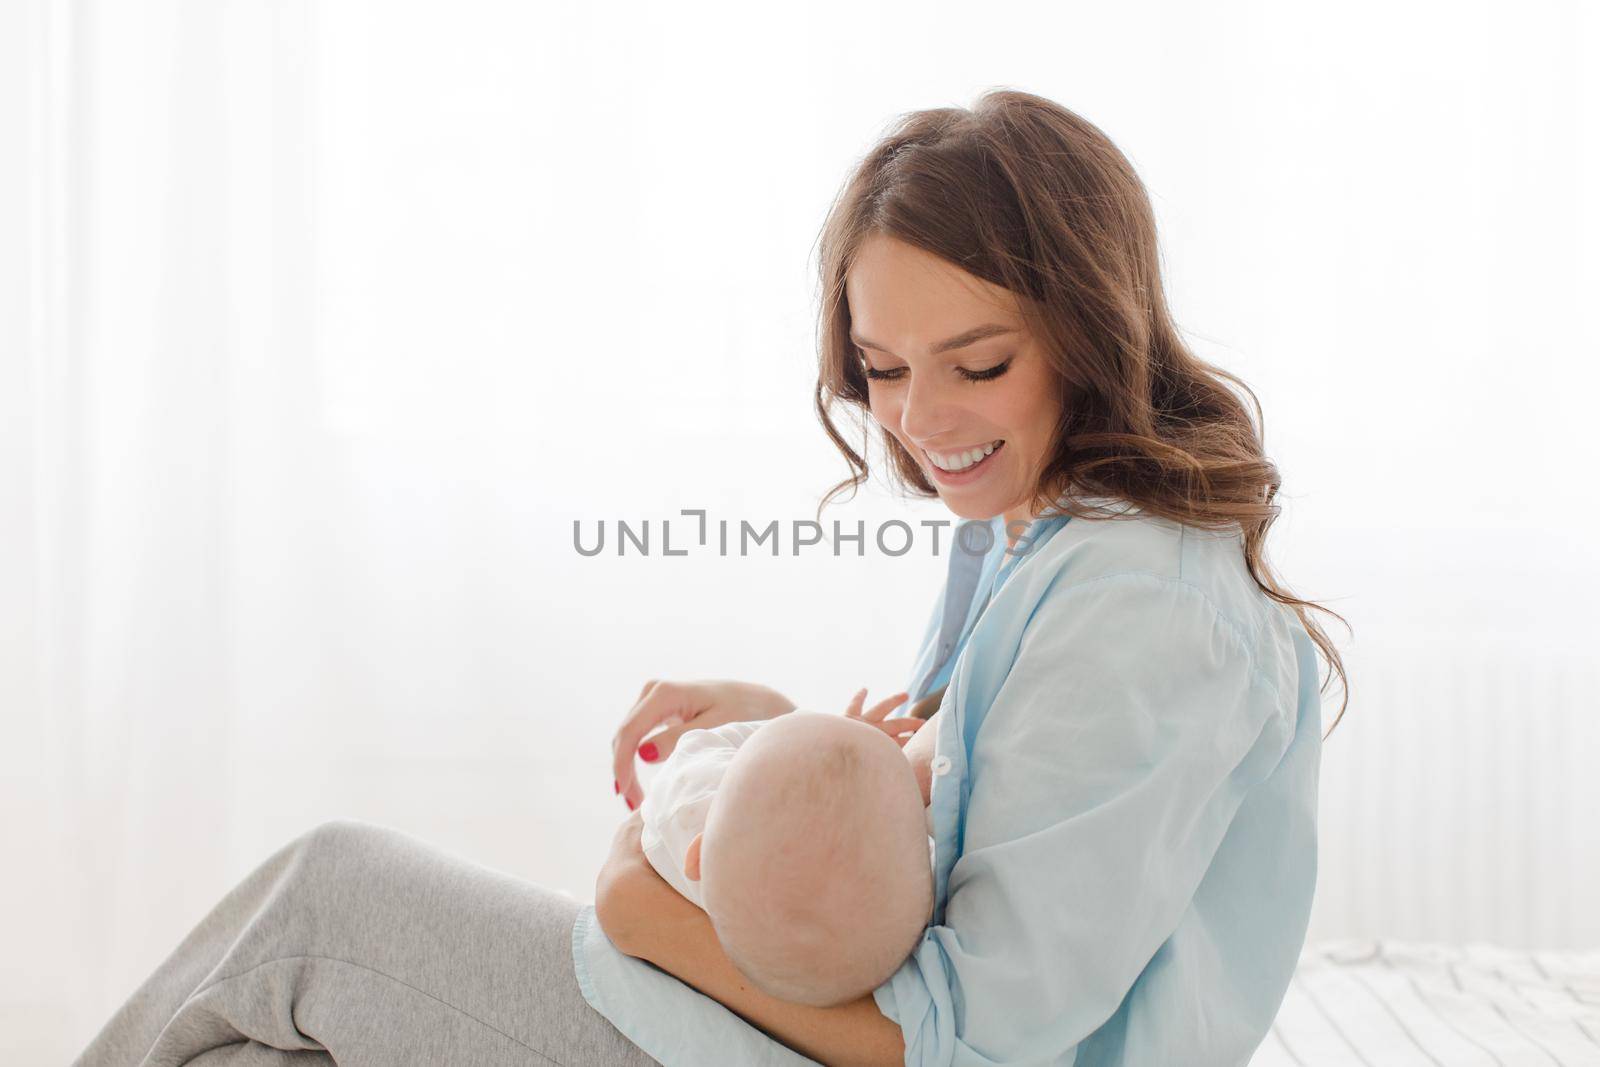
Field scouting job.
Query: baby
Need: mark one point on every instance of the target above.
(805, 839)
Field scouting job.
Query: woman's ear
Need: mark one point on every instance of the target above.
(691, 859)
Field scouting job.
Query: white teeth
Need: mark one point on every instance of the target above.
(960, 461)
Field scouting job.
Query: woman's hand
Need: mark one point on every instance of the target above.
(683, 706)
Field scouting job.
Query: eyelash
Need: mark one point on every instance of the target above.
(987, 375)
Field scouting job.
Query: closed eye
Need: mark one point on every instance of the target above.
(988, 374)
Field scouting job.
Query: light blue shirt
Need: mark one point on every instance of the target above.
(1123, 811)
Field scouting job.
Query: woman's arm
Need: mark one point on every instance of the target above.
(645, 917)
(1119, 724)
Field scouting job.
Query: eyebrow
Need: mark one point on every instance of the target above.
(960, 340)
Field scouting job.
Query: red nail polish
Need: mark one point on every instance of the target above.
(630, 803)
(648, 753)
(615, 788)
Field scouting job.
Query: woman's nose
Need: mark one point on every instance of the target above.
(928, 412)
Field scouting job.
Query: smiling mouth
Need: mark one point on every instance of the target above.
(963, 460)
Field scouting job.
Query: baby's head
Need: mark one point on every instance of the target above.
(814, 859)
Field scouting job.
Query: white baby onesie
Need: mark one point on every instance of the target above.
(679, 799)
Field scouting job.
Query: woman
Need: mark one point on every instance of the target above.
(1124, 714)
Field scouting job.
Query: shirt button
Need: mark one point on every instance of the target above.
(939, 765)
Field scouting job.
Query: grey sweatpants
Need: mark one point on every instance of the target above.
(363, 946)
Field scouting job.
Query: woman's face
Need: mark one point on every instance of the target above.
(974, 406)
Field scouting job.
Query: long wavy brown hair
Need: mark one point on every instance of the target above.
(1027, 195)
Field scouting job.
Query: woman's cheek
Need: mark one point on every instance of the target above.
(883, 411)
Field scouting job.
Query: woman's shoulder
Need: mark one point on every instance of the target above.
(1204, 569)
(1121, 540)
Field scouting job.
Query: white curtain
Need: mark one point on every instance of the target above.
(323, 324)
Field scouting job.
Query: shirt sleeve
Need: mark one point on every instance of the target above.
(1113, 756)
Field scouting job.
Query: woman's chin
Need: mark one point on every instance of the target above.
(964, 506)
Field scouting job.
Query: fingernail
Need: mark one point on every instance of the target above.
(630, 803)
(615, 788)
(648, 753)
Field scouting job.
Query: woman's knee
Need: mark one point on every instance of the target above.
(334, 834)
(336, 843)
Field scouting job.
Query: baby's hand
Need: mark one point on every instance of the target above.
(901, 728)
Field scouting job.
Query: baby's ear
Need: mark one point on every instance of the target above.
(691, 859)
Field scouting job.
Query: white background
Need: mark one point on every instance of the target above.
(320, 324)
